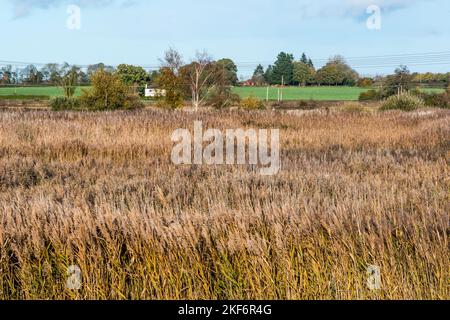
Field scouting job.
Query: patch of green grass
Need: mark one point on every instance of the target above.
(36, 91)
(289, 93)
(298, 93)
(310, 93)
(432, 90)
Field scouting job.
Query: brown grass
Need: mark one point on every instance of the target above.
(98, 190)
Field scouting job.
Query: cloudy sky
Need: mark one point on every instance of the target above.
(248, 31)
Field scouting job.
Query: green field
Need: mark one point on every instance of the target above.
(297, 93)
(289, 93)
(35, 91)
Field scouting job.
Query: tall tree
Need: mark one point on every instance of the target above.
(31, 75)
(51, 73)
(304, 58)
(259, 76)
(268, 75)
(6, 75)
(131, 75)
(230, 70)
(172, 60)
(337, 72)
(303, 73)
(69, 79)
(169, 80)
(92, 69)
(200, 77)
(283, 69)
(401, 80)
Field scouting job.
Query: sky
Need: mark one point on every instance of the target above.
(247, 31)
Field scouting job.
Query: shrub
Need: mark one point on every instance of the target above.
(108, 93)
(353, 108)
(295, 105)
(307, 104)
(63, 103)
(251, 103)
(404, 101)
(371, 95)
(365, 82)
(222, 98)
(172, 84)
(436, 100)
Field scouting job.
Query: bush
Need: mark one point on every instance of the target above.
(436, 100)
(365, 83)
(354, 108)
(251, 103)
(295, 105)
(63, 103)
(371, 95)
(219, 98)
(404, 102)
(108, 93)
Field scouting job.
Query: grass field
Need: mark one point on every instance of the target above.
(289, 93)
(36, 91)
(98, 190)
(308, 93)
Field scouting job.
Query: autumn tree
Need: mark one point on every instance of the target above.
(337, 72)
(303, 73)
(259, 76)
(199, 74)
(131, 75)
(169, 79)
(230, 69)
(108, 93)
(68, 79)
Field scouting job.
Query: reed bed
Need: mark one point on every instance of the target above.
(98, 190)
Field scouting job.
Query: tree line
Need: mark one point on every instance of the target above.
(287, 71)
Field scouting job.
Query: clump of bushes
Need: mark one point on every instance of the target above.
(371, 95)
(252, 103)
(405, 102)
(220, 98)
(307, 105)
(436, 100)
(295, 105)
(354, 108)
(64, 103)
(108, 93)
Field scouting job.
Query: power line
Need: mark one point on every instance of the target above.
(380, 61)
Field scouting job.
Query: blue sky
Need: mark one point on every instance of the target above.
(248, 31)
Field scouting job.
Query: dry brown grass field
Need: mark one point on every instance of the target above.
(98, 190)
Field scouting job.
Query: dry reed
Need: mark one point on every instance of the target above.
(98, 190)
